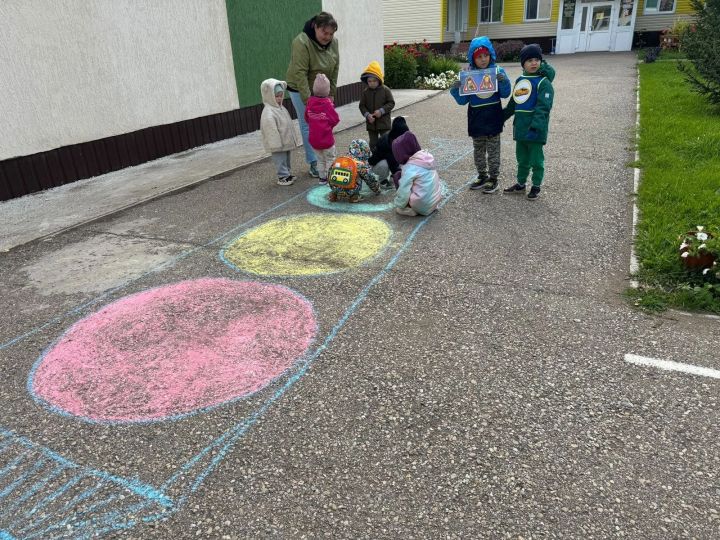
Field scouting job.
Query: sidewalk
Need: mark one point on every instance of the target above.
(49, 212)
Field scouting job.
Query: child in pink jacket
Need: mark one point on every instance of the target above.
(321, 118)
(419, 190)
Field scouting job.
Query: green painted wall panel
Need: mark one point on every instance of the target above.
(260, 36)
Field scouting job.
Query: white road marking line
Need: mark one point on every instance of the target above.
(672, 366)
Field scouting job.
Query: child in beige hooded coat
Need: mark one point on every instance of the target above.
(279, 135)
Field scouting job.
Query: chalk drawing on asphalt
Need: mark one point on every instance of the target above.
(370, 203)
(308, 244)
(174, 350)
(45, 495)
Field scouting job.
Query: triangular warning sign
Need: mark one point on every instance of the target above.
(470, 86)
(486, 83)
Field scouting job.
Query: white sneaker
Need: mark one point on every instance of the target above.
(286, 181)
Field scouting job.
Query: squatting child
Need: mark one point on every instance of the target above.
(348, 172)
(419, 189)
(485, 116)
(532, 99)
(278, 131)
(321, 117)
(376, 102)
(382, 161)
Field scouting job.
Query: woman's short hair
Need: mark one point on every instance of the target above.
(325, 19)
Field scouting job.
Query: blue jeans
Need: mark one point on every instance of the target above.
(304, 128)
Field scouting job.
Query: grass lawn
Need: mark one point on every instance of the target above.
(679, 189)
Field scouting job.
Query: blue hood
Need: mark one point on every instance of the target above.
(482, 41)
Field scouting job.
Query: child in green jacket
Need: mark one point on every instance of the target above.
(531, 101)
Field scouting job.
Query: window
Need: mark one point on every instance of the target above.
(537, 10)
(568, 15)
(601, 18)
(490, 10)
(659, 6)
(626, 10)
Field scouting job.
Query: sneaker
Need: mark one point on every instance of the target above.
(313, 170)
(515, 188)
(407, 211)
(480, 183)
(534, 192)
(286, 181)
(322, 181)
(491, 186)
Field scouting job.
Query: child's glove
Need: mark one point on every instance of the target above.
(501, 77)
(456, 84)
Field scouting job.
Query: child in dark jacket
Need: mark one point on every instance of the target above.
(376, 103)
(382, 161)
(532, 98)
(321, 118)
(485, 116)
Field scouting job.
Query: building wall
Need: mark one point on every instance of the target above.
(258, 53)
(514, 31)
(654, 22)
(408, 21)
(80, 70)
(360, 34)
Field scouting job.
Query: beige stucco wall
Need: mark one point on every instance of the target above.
(360, 33)
(409, 21)
(78, 70)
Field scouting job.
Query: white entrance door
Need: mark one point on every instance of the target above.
(595, 27)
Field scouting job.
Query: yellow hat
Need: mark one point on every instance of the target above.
(373, 70)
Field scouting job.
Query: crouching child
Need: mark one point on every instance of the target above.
(419, 189)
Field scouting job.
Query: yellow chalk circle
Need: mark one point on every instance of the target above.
(308, 244)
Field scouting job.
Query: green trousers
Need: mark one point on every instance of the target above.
(530, 157)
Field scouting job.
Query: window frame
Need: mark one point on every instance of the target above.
(656, 10)
(538, 19)
(492, 2)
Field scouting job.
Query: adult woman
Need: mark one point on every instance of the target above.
(314, 50)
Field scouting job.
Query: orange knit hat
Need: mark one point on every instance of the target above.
(372, 70)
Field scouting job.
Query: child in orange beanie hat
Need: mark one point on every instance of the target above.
(376, 103)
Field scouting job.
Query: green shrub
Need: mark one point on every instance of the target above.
(701, 43)
(400, 67)
(442, 64)
(424, 63)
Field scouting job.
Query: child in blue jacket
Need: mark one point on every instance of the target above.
(485, 116)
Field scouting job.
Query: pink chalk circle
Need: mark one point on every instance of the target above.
(174, 350)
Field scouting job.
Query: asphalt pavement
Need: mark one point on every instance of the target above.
(465, 375)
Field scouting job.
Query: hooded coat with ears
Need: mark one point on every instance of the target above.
(278, 130)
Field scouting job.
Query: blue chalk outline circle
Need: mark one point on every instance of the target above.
(318, 197)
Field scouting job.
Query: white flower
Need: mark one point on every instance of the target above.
(702, 246)
(683, 246)
(706, 271)
(700, 227)
(684, 255)
(701, 236)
